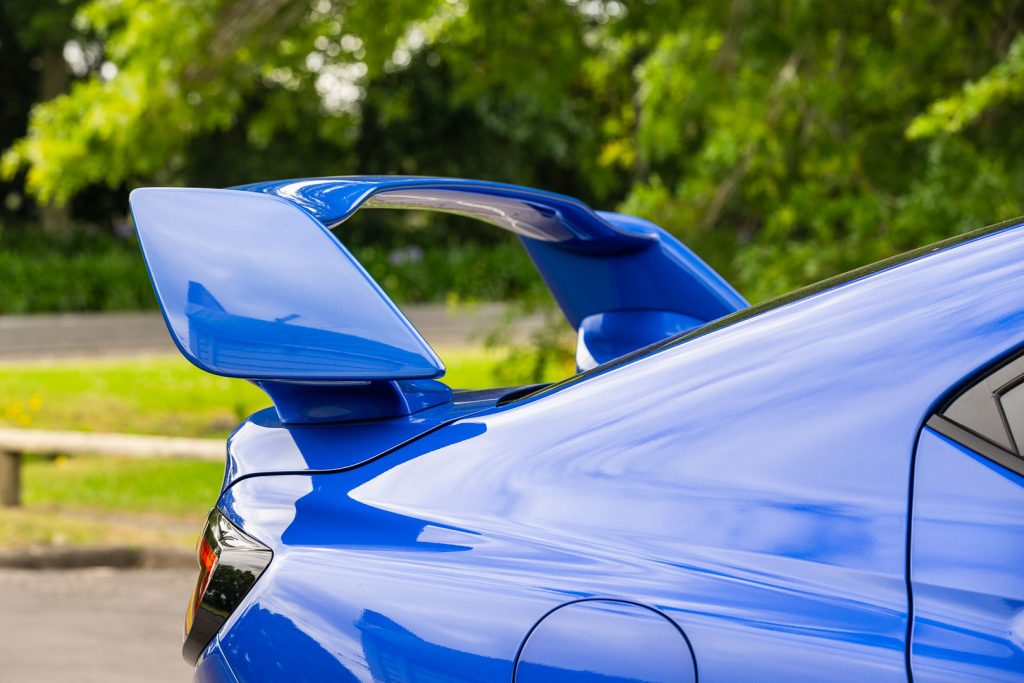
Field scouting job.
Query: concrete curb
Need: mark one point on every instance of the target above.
(118, 557)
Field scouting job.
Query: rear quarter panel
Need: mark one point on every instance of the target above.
(751, 484)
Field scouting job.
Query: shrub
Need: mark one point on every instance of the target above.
(90, 271)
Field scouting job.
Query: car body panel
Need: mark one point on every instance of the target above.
(604, 640)
(213, 667)
(967, 566)
(752, 484)
(263, 444)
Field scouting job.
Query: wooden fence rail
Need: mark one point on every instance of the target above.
(16, 442)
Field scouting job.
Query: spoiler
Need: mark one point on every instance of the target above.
(253, 284)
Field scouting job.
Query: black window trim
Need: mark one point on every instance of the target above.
(968, 439)
(998, 395)
(1011, 460)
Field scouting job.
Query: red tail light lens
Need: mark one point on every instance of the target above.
(230, 562)
(207, 562)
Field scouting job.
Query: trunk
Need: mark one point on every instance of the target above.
(54, 218)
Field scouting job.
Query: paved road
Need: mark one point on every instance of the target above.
(120, 334)
(93, 625)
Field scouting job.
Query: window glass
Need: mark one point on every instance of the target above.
(982, 407)
(988, 416)
(977, 411)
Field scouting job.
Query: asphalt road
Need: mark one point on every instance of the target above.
(89, 625)
(26, 337)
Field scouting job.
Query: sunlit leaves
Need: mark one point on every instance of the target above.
(783, 139)
(1004, 82)
(777, 130)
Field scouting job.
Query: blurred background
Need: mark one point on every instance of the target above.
(783, 140)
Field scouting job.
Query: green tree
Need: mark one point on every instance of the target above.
(776, 132)
(33, 36)
(784, 140)
(352, 75)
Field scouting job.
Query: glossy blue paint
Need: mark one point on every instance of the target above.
(967, 566)
(663, 276)
(213, 668)
(751, 484)
(530, 213)
(603, 641)
(263, 444)
(594, 262)
(299, 403)
(251, 286)
(606, 336)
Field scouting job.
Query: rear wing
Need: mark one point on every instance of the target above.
(253, 284)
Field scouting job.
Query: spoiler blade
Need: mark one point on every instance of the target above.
(622, 282)
(251, 286)
(530, 213)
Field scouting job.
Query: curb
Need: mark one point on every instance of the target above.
(117, 557)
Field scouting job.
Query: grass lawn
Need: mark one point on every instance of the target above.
(97, 500)
(168, 487)
(167, 395)
(35, 527)
(111, 501)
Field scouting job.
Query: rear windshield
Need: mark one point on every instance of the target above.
(795, 295)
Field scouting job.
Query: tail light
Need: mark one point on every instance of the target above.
(229, 564)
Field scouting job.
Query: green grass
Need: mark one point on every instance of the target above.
(34, 527)
(90, 501)
(147, 396)
(111, 501)
(169, 487)
(165, 396)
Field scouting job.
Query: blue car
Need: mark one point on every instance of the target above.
(824, 487)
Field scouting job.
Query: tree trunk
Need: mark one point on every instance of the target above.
(55, 219)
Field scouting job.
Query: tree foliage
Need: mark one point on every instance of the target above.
(784, 140)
